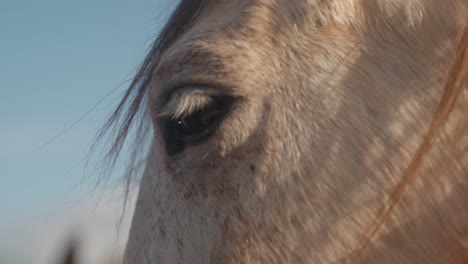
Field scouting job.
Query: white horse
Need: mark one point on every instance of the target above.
(303, 131)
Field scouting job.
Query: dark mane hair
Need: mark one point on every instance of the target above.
(131, 108)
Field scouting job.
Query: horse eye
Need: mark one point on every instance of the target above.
(198, 122)
(197, 126)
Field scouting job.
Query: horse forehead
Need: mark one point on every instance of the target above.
(256, 15)
(223, 27)
(241, 19)
(220, 33)
(319, 12)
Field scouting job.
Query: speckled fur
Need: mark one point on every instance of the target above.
(334, 100)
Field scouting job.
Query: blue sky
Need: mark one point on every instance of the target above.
(57, 59)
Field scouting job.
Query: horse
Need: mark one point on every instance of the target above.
(318, 131)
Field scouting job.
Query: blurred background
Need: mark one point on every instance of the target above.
(58, 59)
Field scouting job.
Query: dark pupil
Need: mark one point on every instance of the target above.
(197, 122)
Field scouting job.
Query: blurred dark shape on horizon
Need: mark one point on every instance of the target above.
(70, 256)
(72, 252)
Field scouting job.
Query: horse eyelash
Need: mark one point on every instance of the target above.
(184, 104)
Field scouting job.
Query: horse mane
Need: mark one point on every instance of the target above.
(131, 111)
